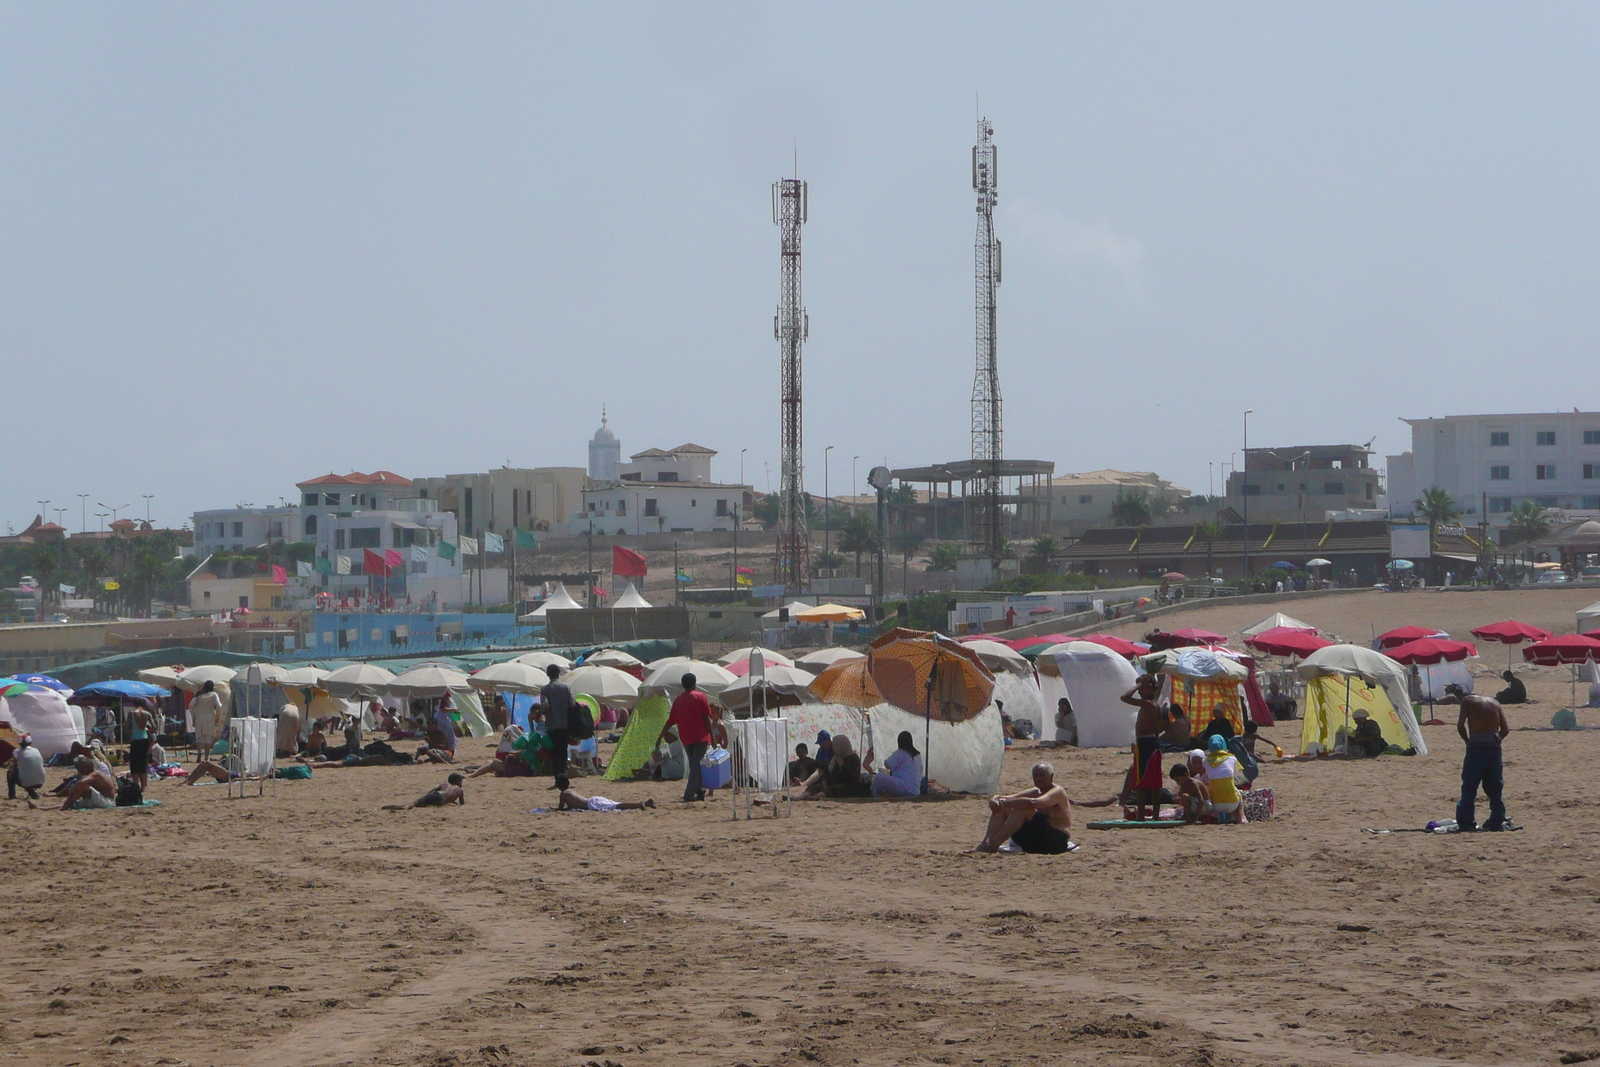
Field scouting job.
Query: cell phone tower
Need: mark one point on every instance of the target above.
(791, 326)
(987, 530)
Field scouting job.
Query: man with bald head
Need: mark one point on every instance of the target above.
(1482, 725)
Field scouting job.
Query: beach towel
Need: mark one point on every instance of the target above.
(639, 739)
(1135, 824)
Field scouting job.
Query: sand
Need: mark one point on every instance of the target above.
(310, 927)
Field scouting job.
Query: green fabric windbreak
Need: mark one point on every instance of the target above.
(639, 739)
(128, 664)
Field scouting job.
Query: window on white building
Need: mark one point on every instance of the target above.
(722, 507)
(1084, 498)
(1544, 438)
(311, 500)
(331, 499)
(238, 529)
(1544, 472)
(622, 507)
(1499, 438)
(1499, 505)
(311, 526)
(650, 507)
(1500, 474)
(1591, 437)
(1589, 469)
(1333, 488)
(366, 537)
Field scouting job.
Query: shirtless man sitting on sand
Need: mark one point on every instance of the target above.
(1147, 727)
(1036, 820)
(94, 788)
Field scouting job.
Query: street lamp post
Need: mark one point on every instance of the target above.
(83, 511)
(44, 509)
(101, 515)
(827, 505)
(151, 496)
(1244, 487)
(853, 484)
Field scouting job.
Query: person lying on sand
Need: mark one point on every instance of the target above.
(571, 801)
(447, 792)
(434, 754)
(93, 789)
(1037, 820)
(207, 767)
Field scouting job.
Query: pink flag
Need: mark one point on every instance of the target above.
(280, 575)
(392, 557)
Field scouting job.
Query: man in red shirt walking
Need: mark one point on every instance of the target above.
(691, 714)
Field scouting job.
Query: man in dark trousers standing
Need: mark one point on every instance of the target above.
(691, 714)
(555, 699)
(1482, 725)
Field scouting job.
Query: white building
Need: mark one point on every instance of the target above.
(605, 453)
(502, 501)
(1552, 459)
(347, 515)
(243, 528)
(664, 490)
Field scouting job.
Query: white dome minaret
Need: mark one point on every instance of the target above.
(605, 452)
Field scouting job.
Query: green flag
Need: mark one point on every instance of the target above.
(682, 577)
(324, 566)
(447, 550)
(525, 539)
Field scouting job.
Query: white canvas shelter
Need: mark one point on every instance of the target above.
(43, 714)
(795, 606)
(165, 677)
(257, 674)
(1588, 617)
(630, 598)
(1353, 661)
(1094, 678)
(300, 678)
(1275, 620)
(1022, 699)
(963, 756)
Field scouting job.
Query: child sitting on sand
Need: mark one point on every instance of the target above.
(1194, 799)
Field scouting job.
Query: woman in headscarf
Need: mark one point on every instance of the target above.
(1220, 768)
(902, 771)
(839, 777)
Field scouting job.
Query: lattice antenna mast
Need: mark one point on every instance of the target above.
(988, 533)
(791, 326)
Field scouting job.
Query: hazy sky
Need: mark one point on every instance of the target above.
(244, 245)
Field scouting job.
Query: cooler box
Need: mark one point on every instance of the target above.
(716, 770)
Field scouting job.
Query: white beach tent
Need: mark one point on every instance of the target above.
(1588, 617)
(1331, 696)
(630, 598)
(43, 714)
(1094, 678)
(1014, 683)
(795, 607)
(1275, 620)
(823, 658)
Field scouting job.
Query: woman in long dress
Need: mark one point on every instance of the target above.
(210, 714)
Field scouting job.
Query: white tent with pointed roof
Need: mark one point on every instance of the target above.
(630, 598)
(1588, 614)
(1275, 620)
(560, 600)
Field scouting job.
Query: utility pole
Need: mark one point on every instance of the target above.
(827, 506)
(1244, 489)
(790, 326)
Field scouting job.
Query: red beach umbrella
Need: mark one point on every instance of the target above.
(1431, 650)
(1511, 632)
(1571, 649)
(1120, 645)
(1286, 641)
(1401, 634)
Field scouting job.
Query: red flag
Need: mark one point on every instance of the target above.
(392, 557)
(280, 575)
(373, 563)
(626, 563)
(744, 570)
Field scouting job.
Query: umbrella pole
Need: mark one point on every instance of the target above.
(1347, 715)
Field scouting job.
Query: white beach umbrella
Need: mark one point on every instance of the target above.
(299, 678)
(540, 660)
(428, 681)
(823, 658)
(357, 679)
(744, 654)
(997, 656)
(611, 687)
(667, 675)
(514, 675)
(612, 657)
(192, 679)
(166, 677)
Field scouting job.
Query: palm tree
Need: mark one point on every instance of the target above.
(1438, 507)
(1041, 554)
(1527, 522)
(944, 558)
(858, 535)
(1208, 532)
(1132, 509)
(907, 543)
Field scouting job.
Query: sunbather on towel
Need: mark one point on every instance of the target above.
(571, 801)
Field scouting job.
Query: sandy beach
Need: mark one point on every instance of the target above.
(310, 927)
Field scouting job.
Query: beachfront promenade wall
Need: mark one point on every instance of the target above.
(1088, 622)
